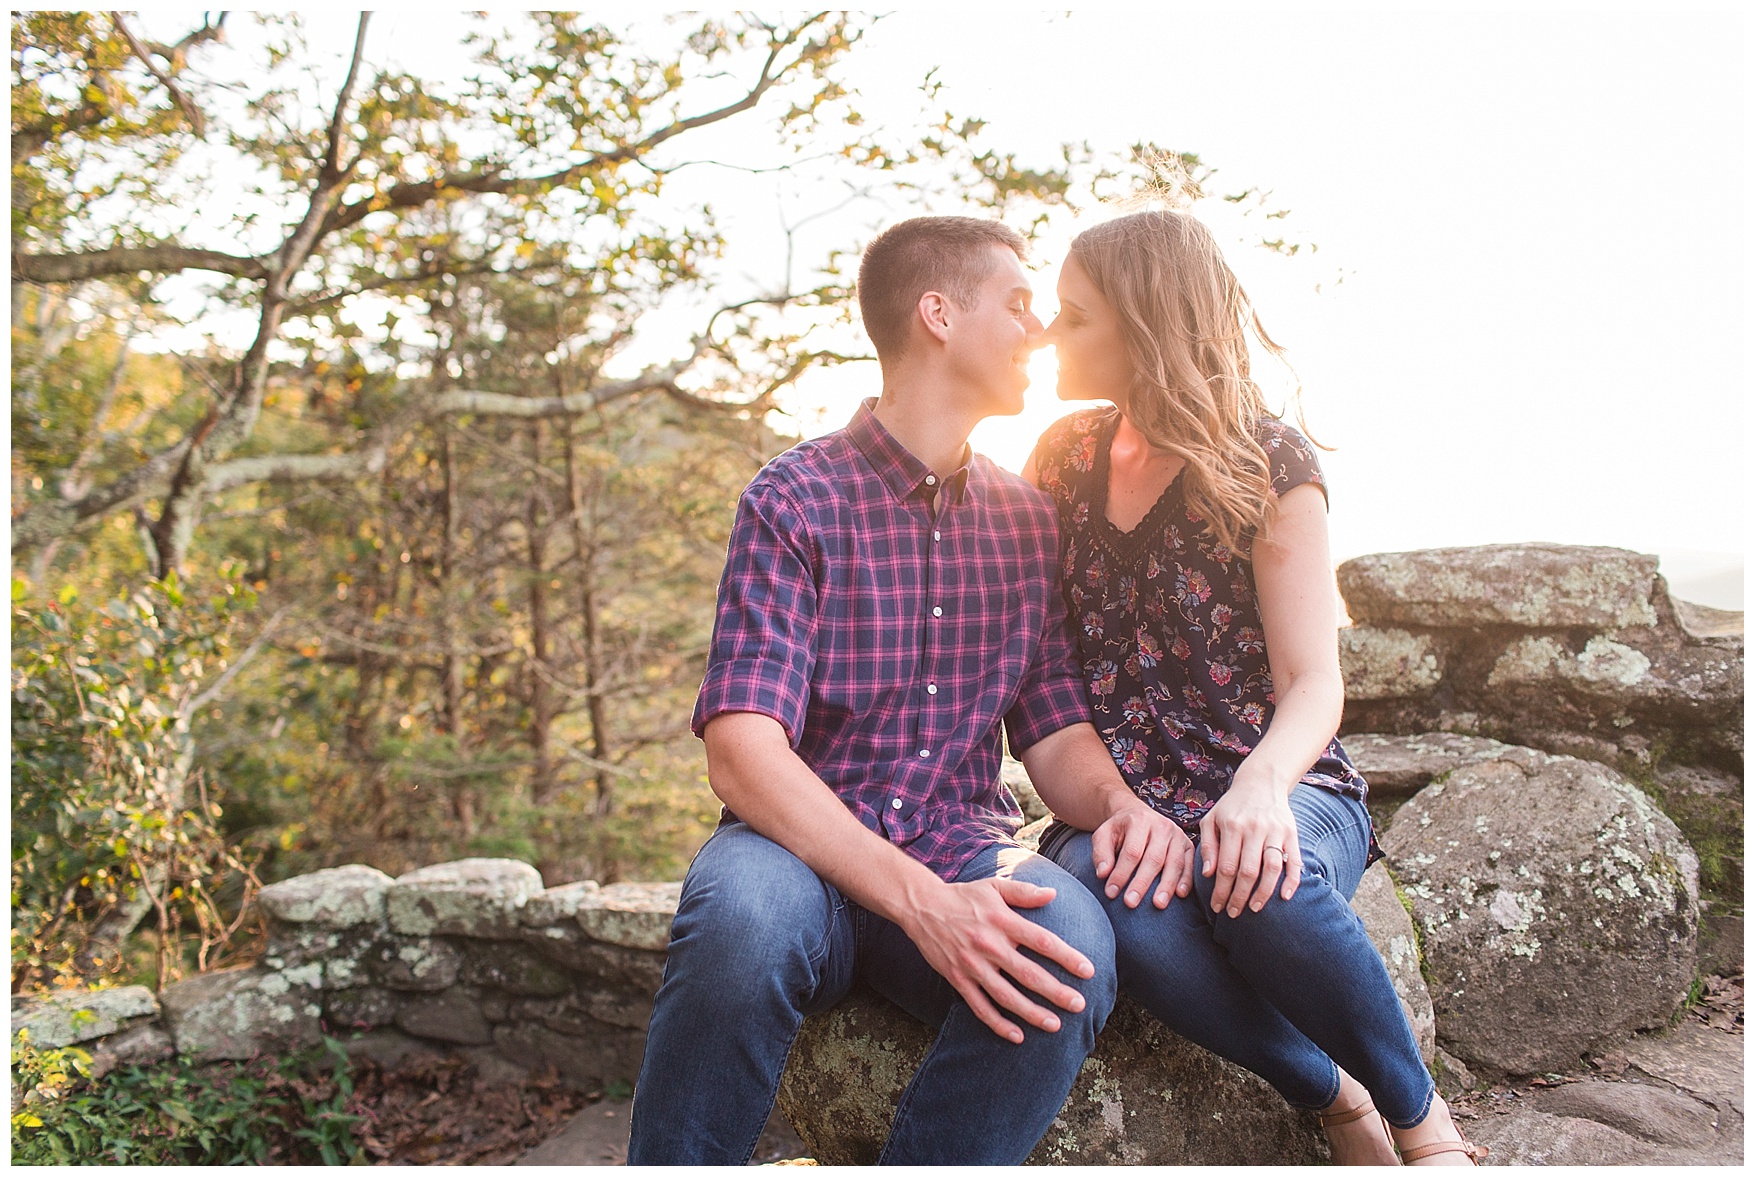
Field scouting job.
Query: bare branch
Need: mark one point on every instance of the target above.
(197, 121)
(412, 194)
(255, 647)
(505, 404)
(104, 263)
(293, 468)
(332, 157)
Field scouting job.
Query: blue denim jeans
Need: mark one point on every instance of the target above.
(760, 942)
(1281, 991)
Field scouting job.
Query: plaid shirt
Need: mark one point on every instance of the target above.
(890, 643)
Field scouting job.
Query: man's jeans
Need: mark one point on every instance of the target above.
(760, 942)
(1282, 990)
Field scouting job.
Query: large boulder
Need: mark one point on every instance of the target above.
(1557, 905)
(240, 1013)
(1502, 584)
(1145, 1096)
(1575, 650)
(80, 1015)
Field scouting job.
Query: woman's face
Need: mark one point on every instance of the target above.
(1087, 340)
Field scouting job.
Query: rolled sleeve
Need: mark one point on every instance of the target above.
(764, 632)
(1052, 695)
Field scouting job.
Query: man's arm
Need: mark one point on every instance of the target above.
(966, 931)
(1131, 843)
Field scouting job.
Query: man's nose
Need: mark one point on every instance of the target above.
(1034, 329)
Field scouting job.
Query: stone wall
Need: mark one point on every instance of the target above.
(1517, 710)
(1573, 650)
(473, 955)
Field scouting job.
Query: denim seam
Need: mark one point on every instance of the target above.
(774, 1093)
(1425, 1110)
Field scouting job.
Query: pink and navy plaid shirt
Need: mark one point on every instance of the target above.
(890, 643)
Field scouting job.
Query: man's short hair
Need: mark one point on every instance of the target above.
(946, 254)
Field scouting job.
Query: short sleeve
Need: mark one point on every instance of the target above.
(1291, 457)
(1052, 693)
(764, 631)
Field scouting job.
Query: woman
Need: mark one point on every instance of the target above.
(1198, 578)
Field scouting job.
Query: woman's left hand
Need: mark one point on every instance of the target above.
(1249, 840)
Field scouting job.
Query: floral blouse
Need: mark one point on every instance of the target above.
(1169, 631)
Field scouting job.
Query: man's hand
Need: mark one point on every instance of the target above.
(971, 935)
(1137, 845)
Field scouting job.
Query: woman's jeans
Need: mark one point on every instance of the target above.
(1281, 991)
(760, 941)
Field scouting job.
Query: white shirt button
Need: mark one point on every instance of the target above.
(895, 803)
(926, 751)
(932, 688)
(932, 480)
(937, 612)
(935, 537)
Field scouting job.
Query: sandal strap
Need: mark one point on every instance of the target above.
(1347, 1115)
(1421, 1151)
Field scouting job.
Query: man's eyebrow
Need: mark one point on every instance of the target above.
(1015, 291)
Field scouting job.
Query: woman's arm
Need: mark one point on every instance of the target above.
(1295, 586)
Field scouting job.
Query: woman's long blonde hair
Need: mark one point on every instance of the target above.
(1184, 315)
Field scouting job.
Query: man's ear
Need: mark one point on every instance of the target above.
(934, 313)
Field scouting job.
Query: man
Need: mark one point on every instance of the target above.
(888, 600)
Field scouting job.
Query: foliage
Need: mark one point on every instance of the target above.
(288, 1112)
(359, 341)
(109, 810)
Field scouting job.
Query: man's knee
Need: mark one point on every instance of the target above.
(1079, 920)
(749, 906)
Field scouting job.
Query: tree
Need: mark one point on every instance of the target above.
(372, 196)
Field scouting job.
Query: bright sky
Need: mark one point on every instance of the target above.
(1537, 220)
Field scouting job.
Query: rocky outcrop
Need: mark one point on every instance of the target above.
(1570, 649)
(1557, 907)
(1145, 1096)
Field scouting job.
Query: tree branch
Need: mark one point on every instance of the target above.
(224, 476)
(104, 263)
(414, 193)
(197, 121)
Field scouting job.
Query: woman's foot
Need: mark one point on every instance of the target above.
(1356, 1134)
(1436, 1140)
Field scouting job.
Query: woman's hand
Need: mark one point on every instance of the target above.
(1249, 839)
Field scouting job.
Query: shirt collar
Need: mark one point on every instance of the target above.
(906, 475)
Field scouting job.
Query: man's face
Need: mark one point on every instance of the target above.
(990, 342)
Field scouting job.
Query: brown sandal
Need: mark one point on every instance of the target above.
(1467, 1147)
(1357, 1112)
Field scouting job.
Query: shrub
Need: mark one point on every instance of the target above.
(287, 1112)
(111, 820)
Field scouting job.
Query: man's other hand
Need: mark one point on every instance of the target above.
(971, 935)
(1140, 844)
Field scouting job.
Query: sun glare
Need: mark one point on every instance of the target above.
(1009, 440)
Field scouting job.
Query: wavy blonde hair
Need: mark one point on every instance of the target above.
(1184, 316)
